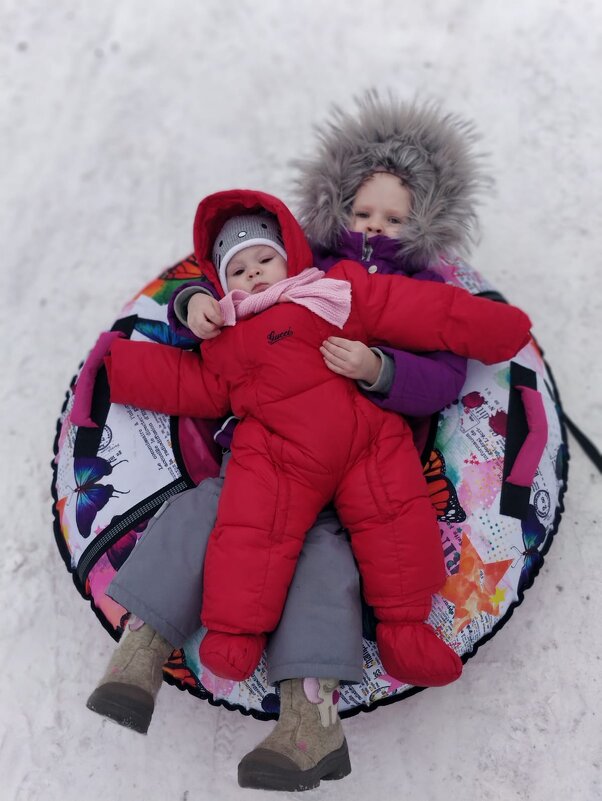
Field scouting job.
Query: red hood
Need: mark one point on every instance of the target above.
(215, 209)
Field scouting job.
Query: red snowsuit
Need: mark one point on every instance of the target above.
(308, 436)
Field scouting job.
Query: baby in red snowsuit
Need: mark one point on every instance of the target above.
(308, 436)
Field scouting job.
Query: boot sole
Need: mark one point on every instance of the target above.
(260, 775)
(126, 704)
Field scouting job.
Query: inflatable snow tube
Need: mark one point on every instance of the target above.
(496, 467)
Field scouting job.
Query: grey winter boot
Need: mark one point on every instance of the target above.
(306, 745)
(127, 691)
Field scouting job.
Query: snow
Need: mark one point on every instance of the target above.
(116, 117)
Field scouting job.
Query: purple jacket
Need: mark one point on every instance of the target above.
(424, 383)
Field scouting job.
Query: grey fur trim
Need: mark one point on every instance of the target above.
(430, 150)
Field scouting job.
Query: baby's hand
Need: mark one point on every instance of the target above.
(205, 317)
(351, 359)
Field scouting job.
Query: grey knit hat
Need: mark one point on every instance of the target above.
(243, 232)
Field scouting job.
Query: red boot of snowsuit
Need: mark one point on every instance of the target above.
(308, 436)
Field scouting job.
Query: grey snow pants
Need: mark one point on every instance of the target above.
(320, 631)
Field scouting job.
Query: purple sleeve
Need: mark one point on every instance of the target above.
(424, 383)
(172, 319)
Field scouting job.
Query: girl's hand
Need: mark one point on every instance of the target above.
(205, 317)
(351, 359)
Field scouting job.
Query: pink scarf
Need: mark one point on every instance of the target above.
(329, 298)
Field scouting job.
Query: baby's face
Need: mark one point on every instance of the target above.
(255, 268)
(380, 206)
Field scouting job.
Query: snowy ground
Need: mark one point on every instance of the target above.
(116, 117)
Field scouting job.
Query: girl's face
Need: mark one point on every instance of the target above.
(380, 206)
(255, 268)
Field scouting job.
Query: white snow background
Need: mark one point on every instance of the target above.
(116, 118)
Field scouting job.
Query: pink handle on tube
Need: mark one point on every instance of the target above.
(84, 389)
(526, 463)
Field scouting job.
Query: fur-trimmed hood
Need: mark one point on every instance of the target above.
(431, 151)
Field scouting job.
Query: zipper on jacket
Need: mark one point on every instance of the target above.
(366, 249)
